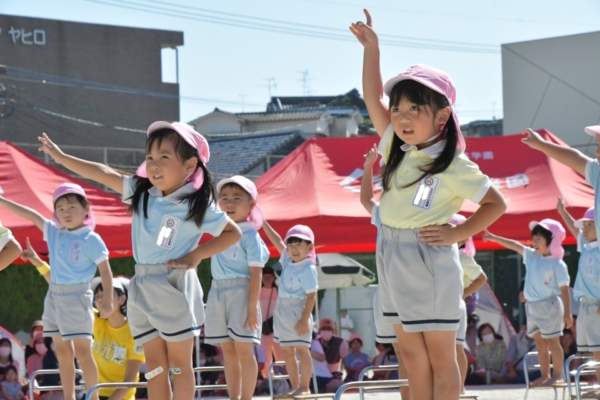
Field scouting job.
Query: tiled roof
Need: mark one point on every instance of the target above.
(239, 154)
(282, 115)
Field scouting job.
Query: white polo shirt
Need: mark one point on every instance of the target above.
(74, 255)
(544, 276)
(234, 262)
(587, 282)
(166, 234)
(297, 278)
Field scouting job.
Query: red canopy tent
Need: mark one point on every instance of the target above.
(29, 181)
(318, 185)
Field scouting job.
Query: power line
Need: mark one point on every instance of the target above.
(289, 29)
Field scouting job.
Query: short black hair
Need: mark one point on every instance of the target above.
(295, 239)
(123, 308)
(70, 196)
(540, 230)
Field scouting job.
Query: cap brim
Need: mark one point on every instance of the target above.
(579, 223)
(592, 130)
(117, 283)
(165, 125)
(533, 224)
(299, 236)
(389, 85)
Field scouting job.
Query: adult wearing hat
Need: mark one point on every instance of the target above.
(335, 347)
(115, 353)
(267, 301)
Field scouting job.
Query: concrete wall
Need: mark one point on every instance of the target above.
(108, 55)
(553, 84)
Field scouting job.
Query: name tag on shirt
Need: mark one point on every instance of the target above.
(589, 266)
(548, 275)
(425, 191)
(119, 354)
(75, 252)
(168, 231)
(231, 252)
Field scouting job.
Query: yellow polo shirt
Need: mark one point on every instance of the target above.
(434, 199)
(471, 270)
(112, 349)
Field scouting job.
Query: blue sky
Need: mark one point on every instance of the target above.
(227, 59)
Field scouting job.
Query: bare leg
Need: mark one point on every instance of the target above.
(543, 358)
(159, 387)
(83, 351)
(597, 358)
(179, 355)
(402, 373)
(558, 360)
(233, 370)
(463, 366)
(305, 370)
(414, 354)
(442, 356)
(66, 362)
(289, 355)
(267, 342)
(249, 368)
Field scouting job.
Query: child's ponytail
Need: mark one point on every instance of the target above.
(201, 199)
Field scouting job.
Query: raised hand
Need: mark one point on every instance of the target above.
(49, 147)
(371, 157)
(487, 236)
(532, 139)
(560, 205)
(30, 255)
(364, 32)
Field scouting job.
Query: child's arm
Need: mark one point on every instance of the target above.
(95, 171)
(230, 235)
(568, 218)
(274, 237)
(475, 285)
(131, 373)
(492, 206)
(372, 82)
(30, 255)
(366, 186)
(563, 154)
(107, 286)
(10, 252)
(24, 212)
(566, 298)
(254, 293)
(302, 327)
(508, 243)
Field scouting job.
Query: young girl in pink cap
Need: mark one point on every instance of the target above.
(76, 252)
(546, 281)
(172, 201)
(425, 179)
(232, 310)
(292, 317)
(586, 289)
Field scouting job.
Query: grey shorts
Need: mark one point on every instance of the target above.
(546, 317)
(461, 333)
(165, 302)
(286, 315)
(384, 332)
(420, 285)
(227, 311)
(68, 312)
(588, 325)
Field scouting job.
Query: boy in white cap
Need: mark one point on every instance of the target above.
(292, 317)
(546, 281)
(232, 311)
(76, 252)
(587, 287)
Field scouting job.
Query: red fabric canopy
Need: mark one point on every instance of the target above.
(30, 182)
(318, 185)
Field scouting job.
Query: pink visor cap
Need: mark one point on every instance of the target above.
(469, 249)
(72, 188)
(589, 215)
(256, 215)
(434, 79)
(558, 235)
(592, 130)
(192, 137)
(305, 233)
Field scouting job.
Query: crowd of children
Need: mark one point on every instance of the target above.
(424, 259)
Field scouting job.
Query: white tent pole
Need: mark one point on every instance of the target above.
(317, 310)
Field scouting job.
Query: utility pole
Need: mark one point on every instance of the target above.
(305, 79)
(243, 96)
(271, 84)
